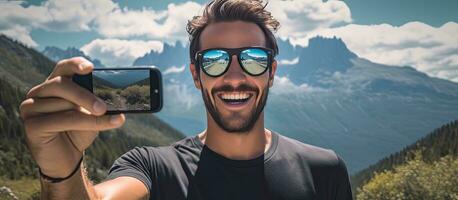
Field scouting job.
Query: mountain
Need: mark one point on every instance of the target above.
(56, 54)
(122, 78)
(286, 50)
(328, 97)
(17, 169)
(97, 81)
(15, 61)
(145, 81)
(171, 55)
(361, 109)
(432, 148)
(321, 58)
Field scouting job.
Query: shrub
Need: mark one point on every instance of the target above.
(415, 180)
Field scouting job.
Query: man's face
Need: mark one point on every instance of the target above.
(219, 93)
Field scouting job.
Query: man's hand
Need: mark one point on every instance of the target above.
(62, 119)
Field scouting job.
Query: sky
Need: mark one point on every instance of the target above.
(419, 33)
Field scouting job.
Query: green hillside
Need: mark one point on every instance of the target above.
(416, 171)
(20, 69)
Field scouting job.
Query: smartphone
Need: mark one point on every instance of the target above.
(125, 90)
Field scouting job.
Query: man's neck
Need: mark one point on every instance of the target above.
(237, 146)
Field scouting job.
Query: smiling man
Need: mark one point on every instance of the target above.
(233, 64)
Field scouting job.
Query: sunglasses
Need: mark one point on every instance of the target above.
(216, 61)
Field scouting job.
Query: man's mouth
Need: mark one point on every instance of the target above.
(235, 98)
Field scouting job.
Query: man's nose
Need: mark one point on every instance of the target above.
(235, 74)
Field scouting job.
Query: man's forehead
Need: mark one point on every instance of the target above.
(231, 35)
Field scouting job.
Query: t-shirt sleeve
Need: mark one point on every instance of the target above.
(135, 163)
(343, 185)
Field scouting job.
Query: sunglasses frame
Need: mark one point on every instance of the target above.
(235, 51)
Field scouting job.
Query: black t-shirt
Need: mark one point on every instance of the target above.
(188, 169)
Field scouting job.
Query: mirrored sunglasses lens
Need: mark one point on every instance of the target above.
(214, 62)
(254, 60)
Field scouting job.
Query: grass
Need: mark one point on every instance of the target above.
(25, 188)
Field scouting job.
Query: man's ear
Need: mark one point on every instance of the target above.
(195, 76)
(272, 73)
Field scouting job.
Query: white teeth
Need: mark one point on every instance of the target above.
(235, 96)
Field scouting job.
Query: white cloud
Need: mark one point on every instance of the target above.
(298, 17)
(167, 25)
(289, 62)
(17, 21)
(426, 48)
(429, 49)
(103, 16)
(174, 70)
(75, 15)
(13, 14)
(116, 52)
(282, 85)
(21, 34)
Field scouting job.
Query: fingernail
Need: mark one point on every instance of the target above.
(98, 106)
(115, 119)
(84, 65)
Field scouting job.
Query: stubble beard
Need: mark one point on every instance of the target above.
(235, 122)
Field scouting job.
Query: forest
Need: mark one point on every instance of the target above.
(426, 169)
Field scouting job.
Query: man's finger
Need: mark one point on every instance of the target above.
(82, 139)
(74, 121)
(65, 88)
(71, 66)
(36, 106)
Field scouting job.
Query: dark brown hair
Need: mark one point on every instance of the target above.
(232, 10)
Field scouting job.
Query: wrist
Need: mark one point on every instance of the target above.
(60, 179)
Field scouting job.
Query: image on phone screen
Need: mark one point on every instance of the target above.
(123, 89)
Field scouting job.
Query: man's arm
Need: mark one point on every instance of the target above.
(343, 184)
(61, 120)
(122, 188)
(80, 187)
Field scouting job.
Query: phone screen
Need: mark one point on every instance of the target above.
(125, 89)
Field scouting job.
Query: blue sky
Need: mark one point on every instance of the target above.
(366, 12)
(419, 33)
(395, 12)
(398, 12)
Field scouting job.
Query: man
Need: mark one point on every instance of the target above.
(232, 52)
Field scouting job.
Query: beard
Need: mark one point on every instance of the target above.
(235, 122)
